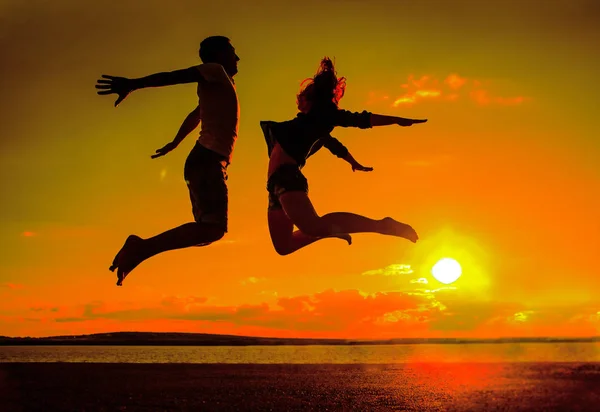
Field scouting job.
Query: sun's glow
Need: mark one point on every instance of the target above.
(446, 270)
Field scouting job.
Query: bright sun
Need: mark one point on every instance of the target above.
(446, 270)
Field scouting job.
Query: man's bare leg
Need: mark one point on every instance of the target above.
(136, 250)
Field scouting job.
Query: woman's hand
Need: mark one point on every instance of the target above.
(409, 122)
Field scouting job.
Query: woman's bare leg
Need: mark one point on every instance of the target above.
(285, 239)
(299, 209)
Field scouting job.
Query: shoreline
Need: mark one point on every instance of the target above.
(291, 387)
(160, 339)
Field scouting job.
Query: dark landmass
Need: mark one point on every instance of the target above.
(206, 339)
(415, 387)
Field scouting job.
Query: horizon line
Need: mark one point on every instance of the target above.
(348, 339)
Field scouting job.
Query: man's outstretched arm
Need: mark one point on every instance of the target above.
(122, 86)
(189, 75)
(188, 126)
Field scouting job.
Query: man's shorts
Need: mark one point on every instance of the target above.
(205, 174)
(287, 178)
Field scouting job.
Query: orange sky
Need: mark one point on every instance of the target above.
(503, 177)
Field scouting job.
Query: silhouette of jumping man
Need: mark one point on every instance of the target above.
(205, 169)
(291, 143)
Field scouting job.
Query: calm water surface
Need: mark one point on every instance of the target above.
(504, 352)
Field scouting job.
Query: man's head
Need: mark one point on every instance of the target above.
(218, 49)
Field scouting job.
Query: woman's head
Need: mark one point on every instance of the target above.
(324, 87)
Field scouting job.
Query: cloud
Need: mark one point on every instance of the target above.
(44, 308)
(451, 88)
(185, 303)
(348, 313)
(252, 280)
(272, 293)
(391, 270)
(522, 316)
(70, 319)
(166, 308)
(455, 82)
(59, 232)
(483, 98)
(12, 286)
(432, 160)
(468, 316)
(326, 311)
(415, 309)
(224, 242)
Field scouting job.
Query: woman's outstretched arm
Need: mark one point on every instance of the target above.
(341, 151)
(384, 120)
(366, 120)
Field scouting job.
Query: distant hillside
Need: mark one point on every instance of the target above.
(205, 339)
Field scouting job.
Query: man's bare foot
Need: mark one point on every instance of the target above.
(395, 228)
(130, 256)
(127, 244)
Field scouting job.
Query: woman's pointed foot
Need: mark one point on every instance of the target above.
(345, 236)
(395, 228)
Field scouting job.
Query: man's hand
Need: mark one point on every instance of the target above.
(357, 166)
(120, 86)
(409, 122)
(164, 150)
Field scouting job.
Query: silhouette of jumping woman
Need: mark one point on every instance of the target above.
(205, 169)
(291, 143)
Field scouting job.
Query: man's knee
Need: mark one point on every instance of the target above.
(218, 233)
(211, 231)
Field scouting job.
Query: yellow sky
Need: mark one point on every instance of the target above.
(503, 177)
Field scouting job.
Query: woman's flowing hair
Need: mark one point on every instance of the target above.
(323, 87)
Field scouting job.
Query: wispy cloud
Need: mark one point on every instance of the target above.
(12, 286)
(60, 232)
(521, 316)
(185, 303)
(432, 160)
(270, 293)
(451, 88)
(391, 270)
(252, 280)
(44, 308)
